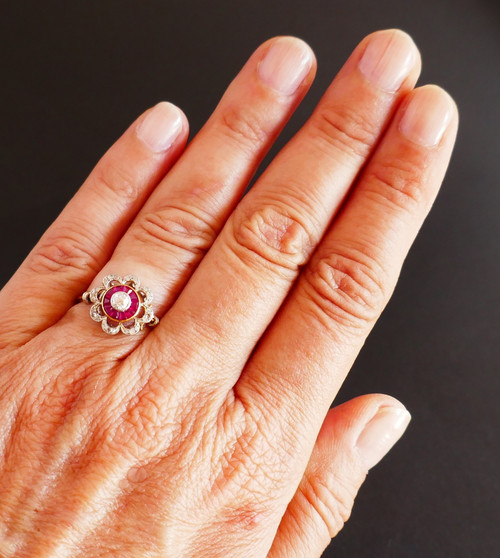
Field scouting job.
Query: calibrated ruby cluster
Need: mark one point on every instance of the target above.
(121, 304)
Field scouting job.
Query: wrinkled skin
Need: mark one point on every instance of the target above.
(211, 434)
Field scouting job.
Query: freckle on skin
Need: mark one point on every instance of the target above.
(247, 518)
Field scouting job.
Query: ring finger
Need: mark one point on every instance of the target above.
(181, 219)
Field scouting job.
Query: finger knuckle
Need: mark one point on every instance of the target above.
(330, 497)
(243, 127)
(346, 287)
(140, 431)
(398, 183)
(183, 228)
(151, 419)
(344, 129)
(273, 236)
(244, 518)
(66, 251)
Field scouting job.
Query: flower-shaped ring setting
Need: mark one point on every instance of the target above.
(121, 304)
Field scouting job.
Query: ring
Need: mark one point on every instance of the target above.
(121, 304)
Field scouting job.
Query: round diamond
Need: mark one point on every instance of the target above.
(112, 304)
(121, 301)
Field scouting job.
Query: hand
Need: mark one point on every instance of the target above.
(200, 437)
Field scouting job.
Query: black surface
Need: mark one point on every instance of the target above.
(75, 74)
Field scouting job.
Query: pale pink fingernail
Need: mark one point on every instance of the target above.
(427, 116)
(285, 65)
(381, 433)
(388, 59)
(160, 127)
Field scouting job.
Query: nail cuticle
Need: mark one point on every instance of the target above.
(285, 65)
(387, 61)
(160, 127)
(426, 117)
(380, 433)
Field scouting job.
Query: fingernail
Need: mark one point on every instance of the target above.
(381, 433)
(160, 127)
(427, 116)
(388, 59)
(285, 65)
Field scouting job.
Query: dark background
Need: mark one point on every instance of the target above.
(75, 74)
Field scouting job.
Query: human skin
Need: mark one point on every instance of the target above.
(211, 435)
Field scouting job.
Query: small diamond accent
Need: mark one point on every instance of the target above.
(109, 329)
(147, 294)
(131, 330)
(110, 278)
(94, 294)
(95, 313)
(148, 316)
(132, 281)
